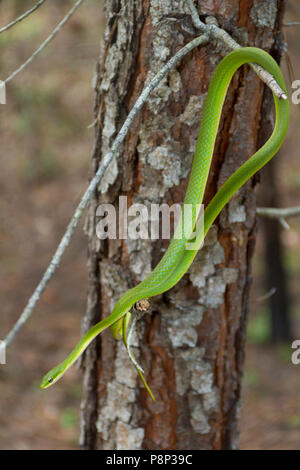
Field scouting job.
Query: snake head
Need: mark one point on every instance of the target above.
(51, 377)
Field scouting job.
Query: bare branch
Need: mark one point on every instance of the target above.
(55, 261)
(130, 341)
(46, 42)
(284, 223)
(213, 30)
(22, 17)
(279, 214)
(268, 295)
(292, 23)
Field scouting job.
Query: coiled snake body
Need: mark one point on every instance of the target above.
(177, 258)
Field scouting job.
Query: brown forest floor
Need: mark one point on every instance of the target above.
(44, 169)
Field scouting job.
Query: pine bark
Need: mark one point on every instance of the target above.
(192, 345)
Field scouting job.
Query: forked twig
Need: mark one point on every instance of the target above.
(22, 17)
(55, 261)
(213, 30)
(46, 42)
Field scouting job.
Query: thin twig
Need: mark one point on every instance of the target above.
(22, 17)
(213, 30)
(95, 181)
(268, 295)
(284, 223)
(139, 309)
(46, 42)
(279, 214)
(129, 343)
(292, 23)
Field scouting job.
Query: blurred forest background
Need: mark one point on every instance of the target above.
(45, 157)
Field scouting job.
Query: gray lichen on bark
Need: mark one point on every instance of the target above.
(263, 13)
(117, 420)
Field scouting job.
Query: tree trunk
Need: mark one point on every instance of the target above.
(276, 278)
(192, 346)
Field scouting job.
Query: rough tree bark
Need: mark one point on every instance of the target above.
(192, 346)
(275, 272)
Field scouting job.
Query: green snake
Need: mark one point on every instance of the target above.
(178, 258)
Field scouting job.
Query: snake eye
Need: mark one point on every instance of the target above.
(50, 380)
